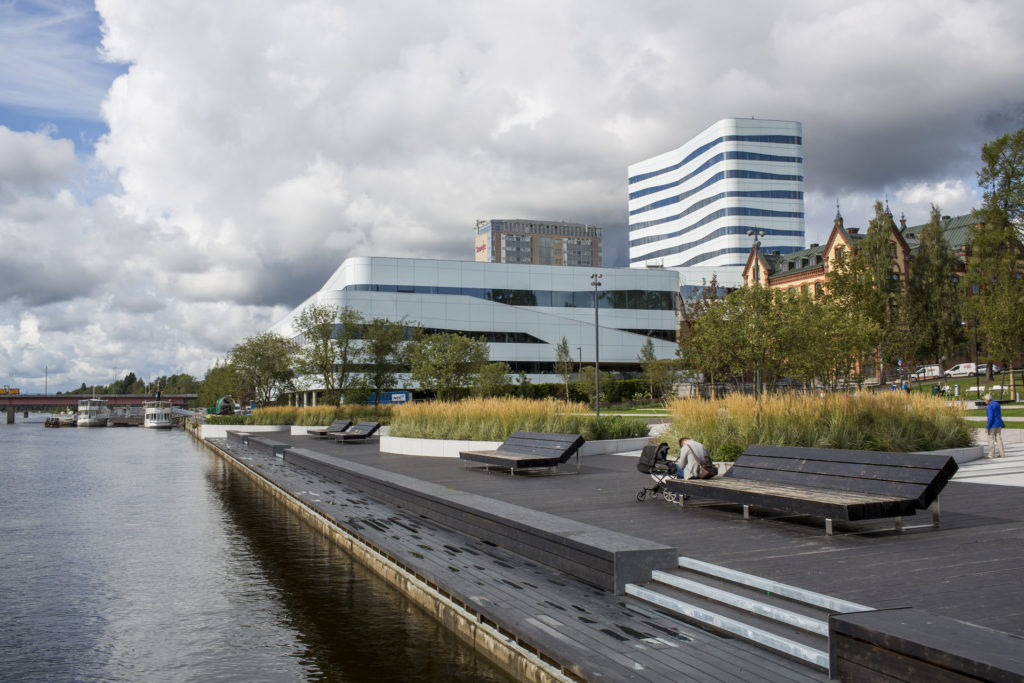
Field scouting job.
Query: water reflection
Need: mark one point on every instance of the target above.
(129, 555)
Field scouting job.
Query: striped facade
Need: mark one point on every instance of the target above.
(693, 207)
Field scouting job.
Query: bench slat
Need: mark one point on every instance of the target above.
(923, 460)
(910, 475)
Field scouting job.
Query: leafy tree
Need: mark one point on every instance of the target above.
(1002, 176)
(708, 343)
(586, 384)
(564, 365)
(995, 290)
(263, 361)
(864, 279)
(659, 373)
(447, 362)
(931, 310)
(383, 354)
(495, 379)
(315, 353)
(220, 380)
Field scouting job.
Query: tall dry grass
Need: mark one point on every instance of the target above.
(319, 415)
(863, 421)
(494, 419)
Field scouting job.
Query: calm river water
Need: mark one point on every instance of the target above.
(129, 554)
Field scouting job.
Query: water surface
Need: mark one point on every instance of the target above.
(135, 555)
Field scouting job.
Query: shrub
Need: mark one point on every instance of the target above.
(874, 422)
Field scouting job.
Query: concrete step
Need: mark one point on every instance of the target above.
(786, 619)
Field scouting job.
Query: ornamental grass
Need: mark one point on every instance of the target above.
(319, 415)
(494, 419)
(863, 421)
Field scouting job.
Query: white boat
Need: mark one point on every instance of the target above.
(68, 418)
(93, 412)
(157, 414)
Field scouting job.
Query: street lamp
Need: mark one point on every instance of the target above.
(595, 282)
(756, 234)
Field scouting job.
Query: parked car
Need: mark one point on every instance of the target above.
(983, 368)
(926, 372)
(962, 370)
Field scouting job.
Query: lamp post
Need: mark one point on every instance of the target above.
(756, 234)
(595, 282)
(579, 373)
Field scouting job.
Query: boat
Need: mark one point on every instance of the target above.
(68, 418)
(157, 414)
(93, 412)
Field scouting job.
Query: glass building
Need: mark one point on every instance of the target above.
(692, 207)
(522, 311)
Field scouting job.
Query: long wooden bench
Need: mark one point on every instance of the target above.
(907, 644)
(835, 484)
(529, 450)
(335, 427)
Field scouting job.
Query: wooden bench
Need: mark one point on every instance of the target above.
(835, 484)
(332, 429)
(907, 644)
(360, 432)
(529, 450)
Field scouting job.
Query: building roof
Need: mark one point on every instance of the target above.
(956, 230)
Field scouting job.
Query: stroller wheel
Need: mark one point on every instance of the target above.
(640, 495)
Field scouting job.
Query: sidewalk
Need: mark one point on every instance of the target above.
(1008, 471)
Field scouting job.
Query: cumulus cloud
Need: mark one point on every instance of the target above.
(255, 144)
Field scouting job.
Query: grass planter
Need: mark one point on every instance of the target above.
(864, 421)
(494, 419)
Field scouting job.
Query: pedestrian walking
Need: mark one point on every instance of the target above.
(994, 427)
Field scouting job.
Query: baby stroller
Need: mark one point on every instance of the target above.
(654, 461)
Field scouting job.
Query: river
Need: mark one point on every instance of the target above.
(129, 554)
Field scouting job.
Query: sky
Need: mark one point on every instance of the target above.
(177, 176)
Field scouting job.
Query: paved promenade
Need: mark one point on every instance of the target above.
(968, 569)
(599, 636)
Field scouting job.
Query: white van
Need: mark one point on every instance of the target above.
(962, 370)
(926, 372)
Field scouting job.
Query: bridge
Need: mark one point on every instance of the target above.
(30, 401)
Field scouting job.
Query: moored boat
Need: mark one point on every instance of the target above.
(157, 415)
(93, 412)
(68, 418)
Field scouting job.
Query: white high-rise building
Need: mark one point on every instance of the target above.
(691, 209)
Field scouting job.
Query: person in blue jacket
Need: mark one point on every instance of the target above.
(994, 427)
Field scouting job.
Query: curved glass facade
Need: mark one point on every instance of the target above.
(695, 204)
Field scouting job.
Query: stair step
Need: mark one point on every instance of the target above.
(719, 622)
(807, 597)
(745, 604)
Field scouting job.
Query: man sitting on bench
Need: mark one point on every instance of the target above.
(693, 462)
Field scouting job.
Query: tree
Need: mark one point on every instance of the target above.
(382, 353)
(495, 379)
(564, 365)
(316, 352)
(263, 362)
(658, 373)
(447, 362)
(931, 311)
(995, 291)
(220, 380)
(1002, 176)
(865, 279)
